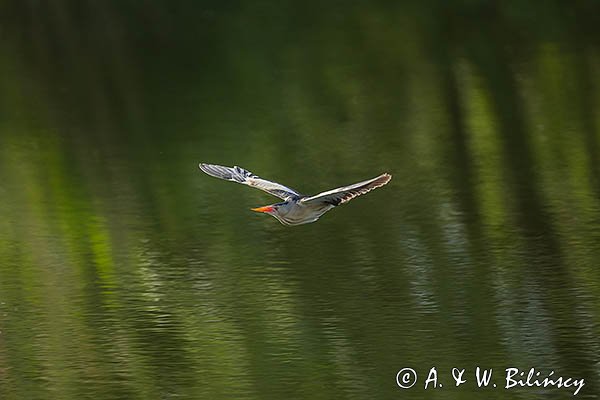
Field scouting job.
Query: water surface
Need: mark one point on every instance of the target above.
(126, 273)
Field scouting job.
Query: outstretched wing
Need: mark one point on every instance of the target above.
(240, 175)
(345, 194)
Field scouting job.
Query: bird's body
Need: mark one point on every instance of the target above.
(295, 212)
(296, 209)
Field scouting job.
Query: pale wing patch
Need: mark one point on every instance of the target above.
(245, 177)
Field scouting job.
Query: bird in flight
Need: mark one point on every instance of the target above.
(296, 209)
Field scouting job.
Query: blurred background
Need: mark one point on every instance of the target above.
(126, 273)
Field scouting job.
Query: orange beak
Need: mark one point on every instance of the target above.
(264, 209)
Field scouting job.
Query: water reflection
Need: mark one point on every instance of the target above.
(124, 273)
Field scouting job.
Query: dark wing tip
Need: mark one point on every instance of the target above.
(383, 179)
(217, 171)
(204, 166)
(207, 169)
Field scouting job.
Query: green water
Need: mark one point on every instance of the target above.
(126, 273)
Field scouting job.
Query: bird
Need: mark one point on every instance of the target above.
(296, 209)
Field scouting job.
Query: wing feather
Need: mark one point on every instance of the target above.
(344, 194)
(245, 177)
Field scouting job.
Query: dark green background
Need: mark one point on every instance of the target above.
(126, 273)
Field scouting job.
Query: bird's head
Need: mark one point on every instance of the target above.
(272, 209)
(265, 209)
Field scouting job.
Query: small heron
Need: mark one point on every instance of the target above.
(296, 209)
